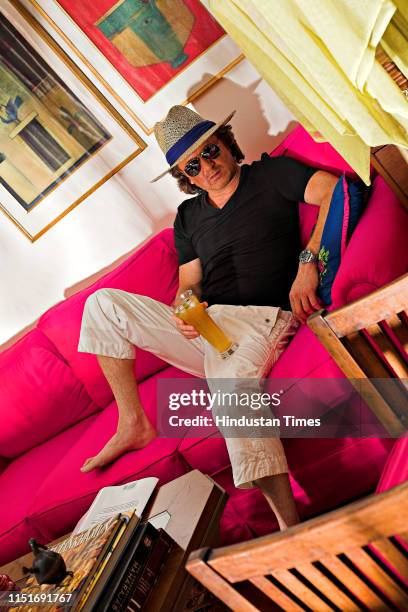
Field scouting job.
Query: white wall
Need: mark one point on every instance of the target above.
(127, 209)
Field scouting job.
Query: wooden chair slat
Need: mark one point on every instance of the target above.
(397, 332)
(356, 524)
(387, 549)
(378, 306)
(274, 593)
(216, 584)
(377, 575)
(327, 587)
(357, 586)
(382, 343)
(301, 591)
(365, 352)
(319, 325)
(391, 351)
(370, 347)
(365, 347)
(403, 539)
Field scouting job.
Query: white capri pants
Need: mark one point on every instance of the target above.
(115, 322)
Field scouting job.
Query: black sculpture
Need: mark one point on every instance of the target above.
(48, 566)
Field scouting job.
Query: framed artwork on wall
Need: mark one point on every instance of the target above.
(149, 54)
(59, 138)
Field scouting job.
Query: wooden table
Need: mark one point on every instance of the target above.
(195, 504)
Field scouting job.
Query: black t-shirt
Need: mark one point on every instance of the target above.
(249, 248)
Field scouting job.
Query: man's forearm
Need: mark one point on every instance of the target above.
(322, 194)
(302, 296)
(315, 239)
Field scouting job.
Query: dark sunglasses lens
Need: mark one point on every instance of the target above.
(193, 167)
(211, 151)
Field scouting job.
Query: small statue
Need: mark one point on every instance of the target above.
(48, 566)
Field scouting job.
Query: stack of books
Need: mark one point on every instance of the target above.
(115, 563)
(133, 579)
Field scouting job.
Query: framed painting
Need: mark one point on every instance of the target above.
(149, 54)
(59, 138)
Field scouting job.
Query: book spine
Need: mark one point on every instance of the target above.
(110, 574)
(151, 572)
(129, 581)
(89, 584)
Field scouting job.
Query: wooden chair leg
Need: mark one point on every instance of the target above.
(217, 585)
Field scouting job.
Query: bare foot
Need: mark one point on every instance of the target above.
(130, 437)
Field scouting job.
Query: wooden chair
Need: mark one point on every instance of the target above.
(354, 558)
(368, 339)
(391, 162)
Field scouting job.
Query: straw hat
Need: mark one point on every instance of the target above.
(182, 131)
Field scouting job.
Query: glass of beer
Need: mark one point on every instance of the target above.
(191, 311)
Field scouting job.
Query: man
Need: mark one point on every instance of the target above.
(238, 246)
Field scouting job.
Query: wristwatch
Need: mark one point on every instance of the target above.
(307, 256)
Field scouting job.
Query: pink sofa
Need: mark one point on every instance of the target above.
(57, 409)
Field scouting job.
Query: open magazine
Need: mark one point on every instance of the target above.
(120, 498)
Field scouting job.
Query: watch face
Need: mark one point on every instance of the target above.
(307, 256)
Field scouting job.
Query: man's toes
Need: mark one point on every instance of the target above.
(87, 465)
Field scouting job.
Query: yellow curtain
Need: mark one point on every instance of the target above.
(319, 57)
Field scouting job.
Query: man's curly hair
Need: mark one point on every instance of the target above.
(226, 136)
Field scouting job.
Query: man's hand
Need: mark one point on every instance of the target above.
(302, 296)
(188, 331)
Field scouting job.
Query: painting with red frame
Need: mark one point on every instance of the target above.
(148, 41)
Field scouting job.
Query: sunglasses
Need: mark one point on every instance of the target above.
(210, 151)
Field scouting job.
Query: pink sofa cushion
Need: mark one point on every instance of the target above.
(383, 232)
(382, 229)
(3, 464)
(151, 271)
(300, 145)
(345, 469)
(40, 395)
(305, 357)
(303, 360)
(375, 255)
(396, 469)
(19, 484)
(57, 508)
